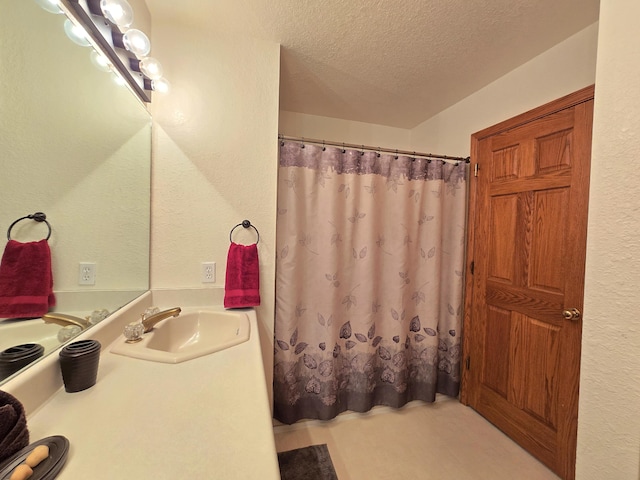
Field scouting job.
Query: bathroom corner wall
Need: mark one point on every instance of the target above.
(563, 69)
(214, 159)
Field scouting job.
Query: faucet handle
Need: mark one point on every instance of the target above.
(133, 331)
(150, 311)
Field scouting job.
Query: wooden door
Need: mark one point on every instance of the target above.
(526, 255)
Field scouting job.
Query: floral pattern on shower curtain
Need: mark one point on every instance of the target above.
(369, 280)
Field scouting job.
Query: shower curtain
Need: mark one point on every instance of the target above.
(369, 277)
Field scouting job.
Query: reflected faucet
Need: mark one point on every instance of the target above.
(65, 320)
(150, 321)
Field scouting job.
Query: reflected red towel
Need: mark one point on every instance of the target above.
(242, 285)
(26, 282)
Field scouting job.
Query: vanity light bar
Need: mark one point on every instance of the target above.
(138, 44)
(125, 52)
(104, 36)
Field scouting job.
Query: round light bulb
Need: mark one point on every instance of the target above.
(136, 42)
(76, 33)
(100, 61)
(161, 85)
(151, 68)
(51, 6)
(117, 11)
(118, 79)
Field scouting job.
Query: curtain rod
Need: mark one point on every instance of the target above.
(373, 149)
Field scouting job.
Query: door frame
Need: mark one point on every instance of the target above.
(562, 103)
(471, 385)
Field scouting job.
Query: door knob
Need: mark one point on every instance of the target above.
(571, 314)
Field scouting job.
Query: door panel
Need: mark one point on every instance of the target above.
(547, 240)
(502, 247)
(534, 378)
(496, 370)
(527, 244)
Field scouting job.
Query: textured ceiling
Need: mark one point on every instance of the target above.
(389, 62)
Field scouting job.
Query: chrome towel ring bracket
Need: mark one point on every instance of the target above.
(38, 217)
(245, 224)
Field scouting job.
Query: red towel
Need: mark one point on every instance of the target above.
(26, 282)
(242, 285)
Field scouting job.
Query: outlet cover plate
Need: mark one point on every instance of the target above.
(208, 272)
(87, 273)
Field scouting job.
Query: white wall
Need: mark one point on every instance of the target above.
(609, 414)
(563, 69)
(215, 159)
(337, 130)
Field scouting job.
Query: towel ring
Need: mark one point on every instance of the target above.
(38, 217)
(245, 224)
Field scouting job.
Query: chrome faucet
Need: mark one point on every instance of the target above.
(150, 321)
(65, 320)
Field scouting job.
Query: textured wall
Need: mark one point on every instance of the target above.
(609, 420)
(215, 159)
(76, 146)
(565, 68)
(337, 130)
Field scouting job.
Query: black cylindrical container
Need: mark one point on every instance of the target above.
(14, 358)
(79, 364)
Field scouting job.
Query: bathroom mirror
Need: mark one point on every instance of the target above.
(75, 145)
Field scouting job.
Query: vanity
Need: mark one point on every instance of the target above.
(207, 417)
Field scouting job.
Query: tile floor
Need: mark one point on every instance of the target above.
(443, 440)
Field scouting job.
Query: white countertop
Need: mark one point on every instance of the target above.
(204, 418)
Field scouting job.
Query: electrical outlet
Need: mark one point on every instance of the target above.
(208, 272)
(87, 273)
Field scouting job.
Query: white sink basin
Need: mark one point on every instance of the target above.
(192, 334)
(17, 332)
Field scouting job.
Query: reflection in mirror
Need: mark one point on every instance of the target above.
(76, 146)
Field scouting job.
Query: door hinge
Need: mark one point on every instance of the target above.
(472, 267)
(475, 170)
(467, 362)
